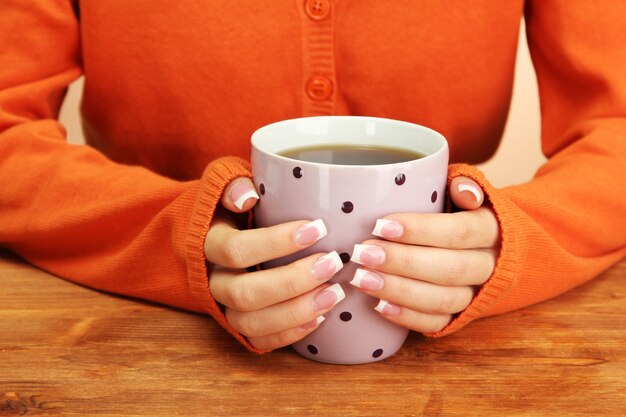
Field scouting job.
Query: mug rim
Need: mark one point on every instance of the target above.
(436, 136)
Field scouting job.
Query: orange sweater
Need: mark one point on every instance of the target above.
(173, 90)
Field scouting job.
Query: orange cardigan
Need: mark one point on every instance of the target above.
(173, 90)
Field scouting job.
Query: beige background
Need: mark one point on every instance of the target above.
(515, 162)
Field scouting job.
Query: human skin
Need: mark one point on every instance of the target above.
(423, 267)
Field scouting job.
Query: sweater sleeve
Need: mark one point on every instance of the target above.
(568, 224)
(70, 210)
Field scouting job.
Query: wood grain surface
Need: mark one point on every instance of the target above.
(66, 350)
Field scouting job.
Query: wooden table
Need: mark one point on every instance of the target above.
(66, 350)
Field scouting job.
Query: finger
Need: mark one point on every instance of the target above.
(250, 291)
(465, 193)
(227, 246)
(286, 315)
(415, 294)
(239, 195)
(286, 337)
(436, 265)
(411, 319)
(462, 230)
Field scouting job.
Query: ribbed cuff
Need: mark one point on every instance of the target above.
(505, 270)
(215, 178)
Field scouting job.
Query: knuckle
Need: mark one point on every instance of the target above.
(437, 323)
(233, 318)
(291, 285)
(241, 297)
(294, 317)
(259, 343)
(232, 254)
(441, 323)
(459, 234)
(457, 269)
(401, 287)
(448, 302)
(242, 322)
(404, 259)
(283, 339)
(275, 239)
(490, 222)
(484, 269)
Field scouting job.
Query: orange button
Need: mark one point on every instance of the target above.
(319, 87)
(317, 9)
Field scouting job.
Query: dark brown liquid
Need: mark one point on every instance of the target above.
(351, 154)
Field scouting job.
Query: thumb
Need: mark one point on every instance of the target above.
(239, 195)
(466, 194)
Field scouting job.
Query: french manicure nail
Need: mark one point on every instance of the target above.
(310, 232)
(328, 297)
(386, 308)
(313, 324)
(326, 266)
(240, 193)
(368, 280)
(388, 228)
(368, 255)
(471, 188)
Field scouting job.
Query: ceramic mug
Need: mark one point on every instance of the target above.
(349, 199)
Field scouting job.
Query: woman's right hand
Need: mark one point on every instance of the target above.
(273, 307)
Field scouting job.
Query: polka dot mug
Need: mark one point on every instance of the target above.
(349, 199)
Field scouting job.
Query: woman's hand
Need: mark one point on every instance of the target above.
(278, 306)
(430, 266)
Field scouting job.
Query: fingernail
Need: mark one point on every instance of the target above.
(310, 232)
(388, 228)
(240, 193)
(326, 266)
(328, 297)
(368, 280)
(313, 324)
(388, 309)
(471, 188)
(368, 255)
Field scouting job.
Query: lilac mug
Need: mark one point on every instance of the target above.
(349, 199)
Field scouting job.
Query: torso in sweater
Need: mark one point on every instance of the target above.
(173, 85)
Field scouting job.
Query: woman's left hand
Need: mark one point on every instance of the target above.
(429, 267)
